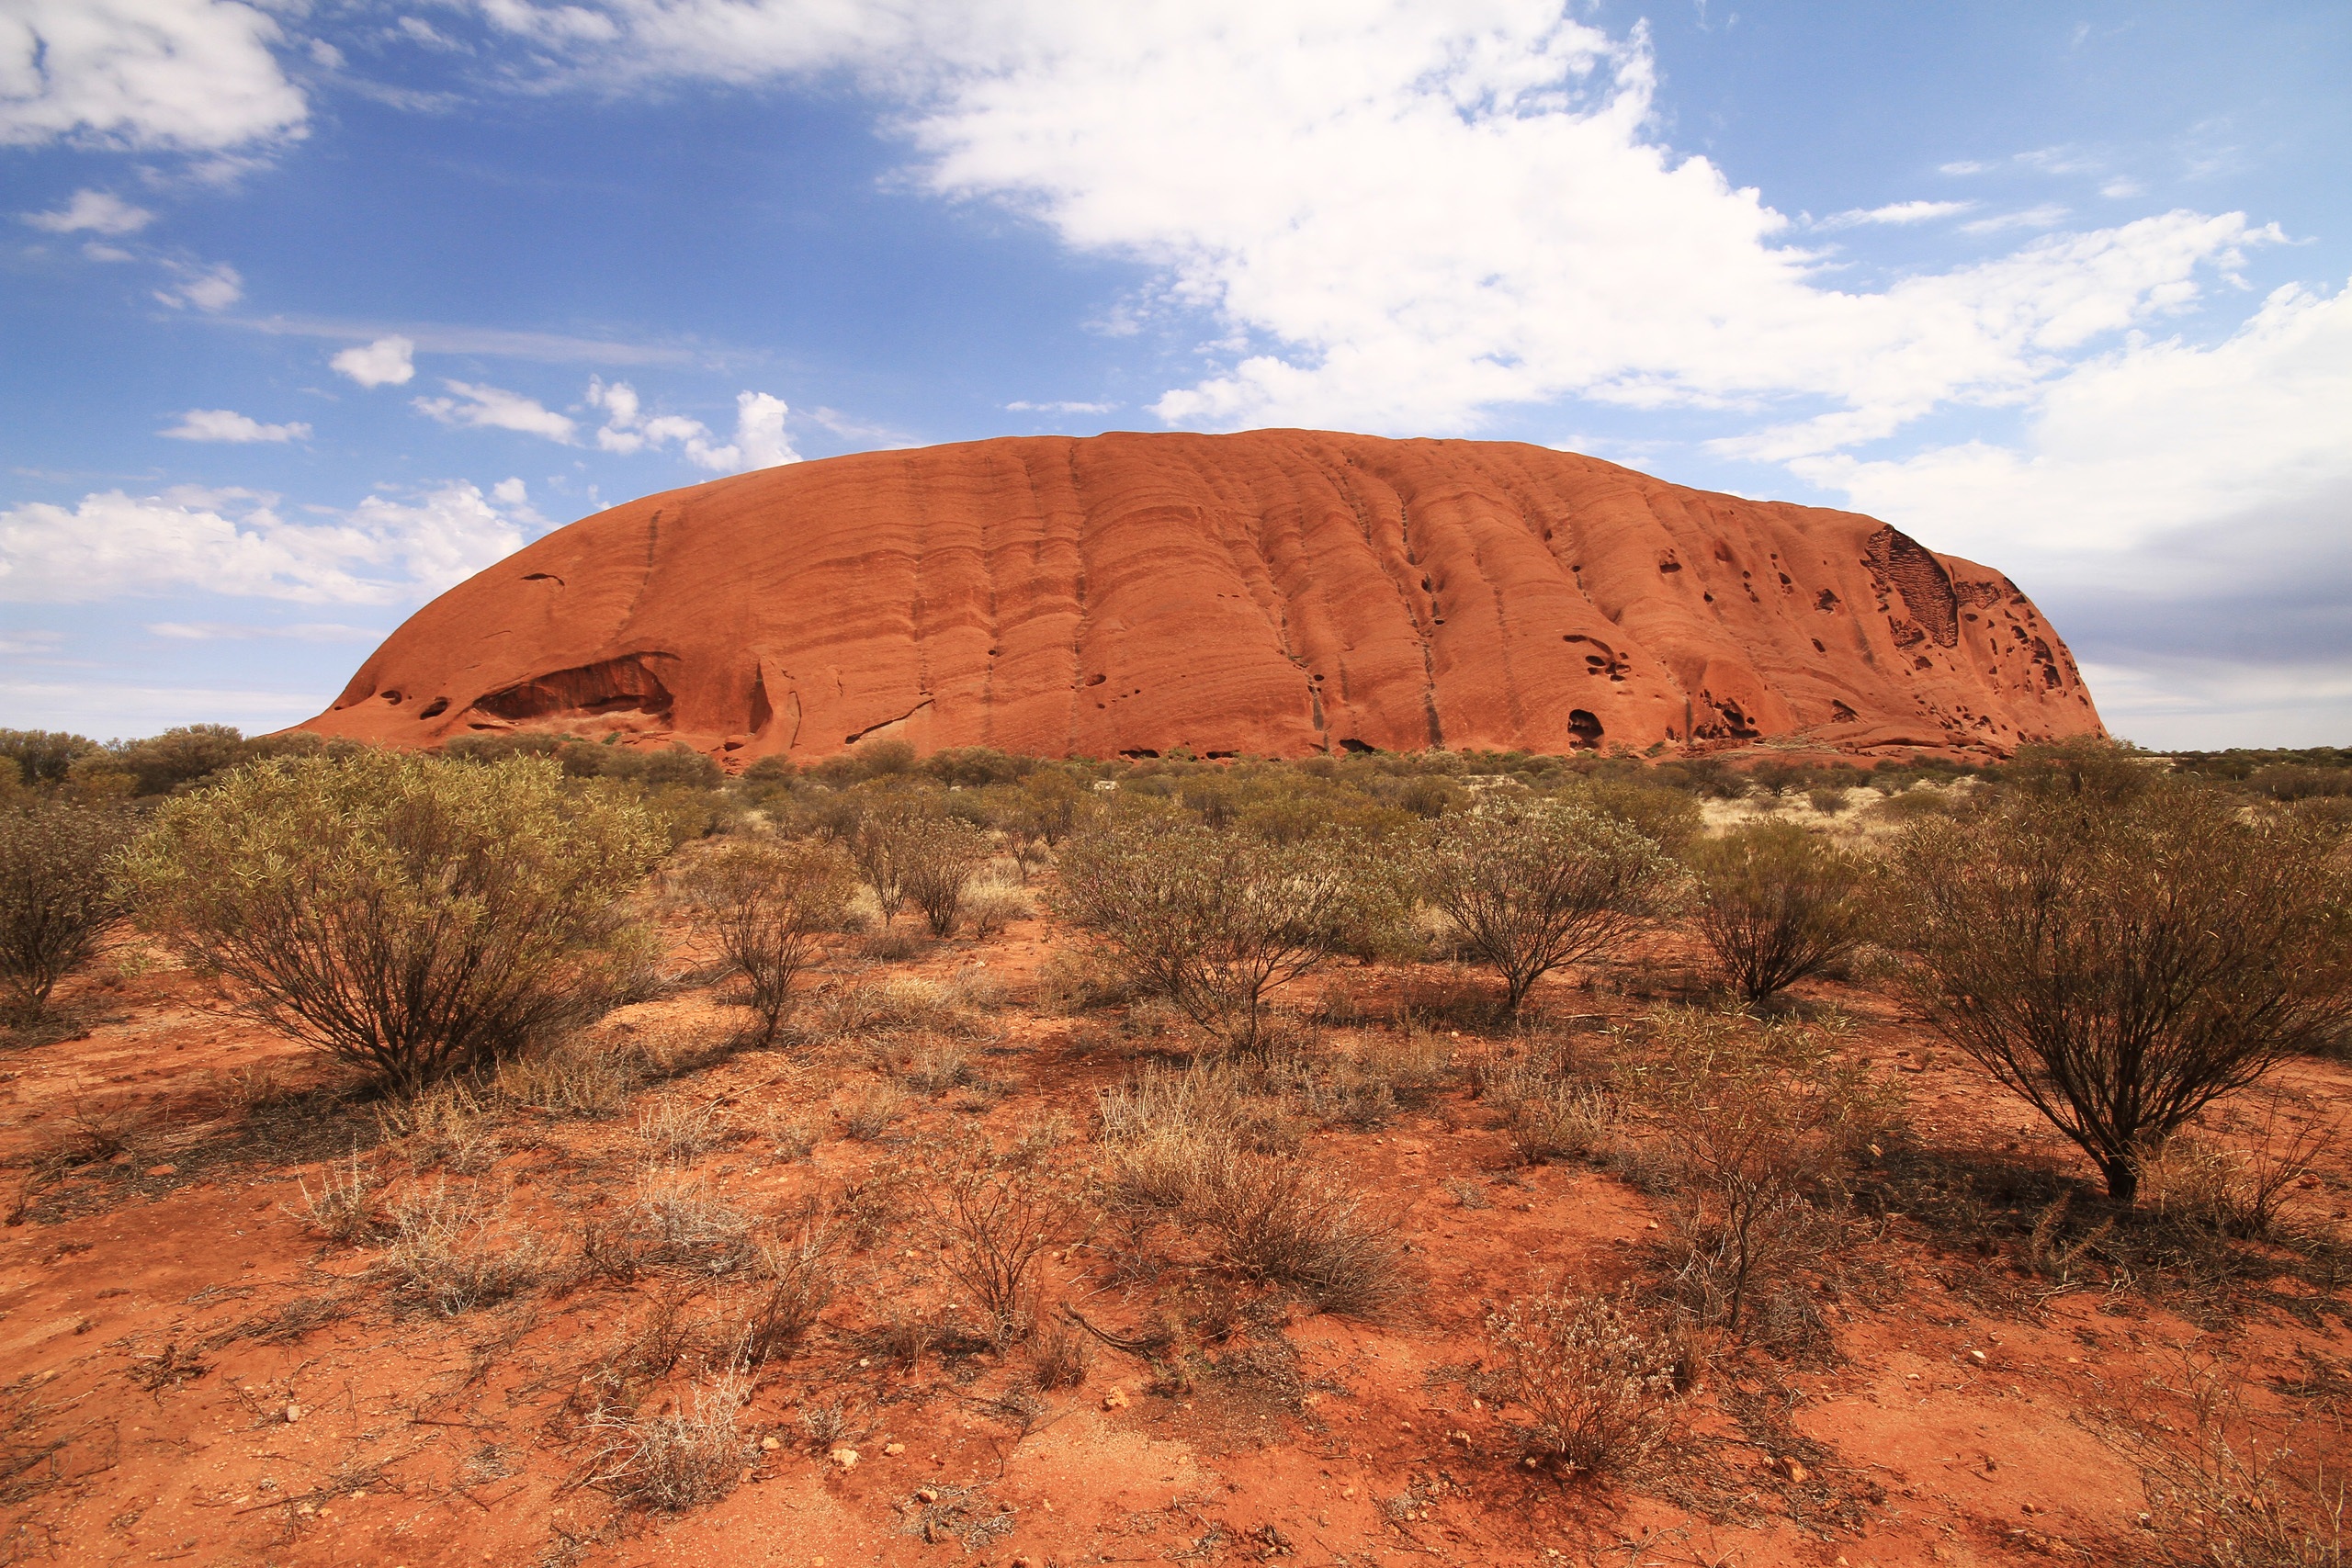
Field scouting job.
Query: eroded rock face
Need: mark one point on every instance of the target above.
(1276, 592)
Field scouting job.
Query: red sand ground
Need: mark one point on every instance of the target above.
(1276, 592)
(192, 1374)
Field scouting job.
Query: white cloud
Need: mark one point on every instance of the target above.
(2048, 215)
(760, 441)
(1473, 206)
(221, 425)
(759, 431)
(2121, 188)
(1898, 212)
(178, 75)
(386, 362)
(2150, 441)
(95, 211)
(452, 533)
(1060, 408)
(246, 631)
(1963, 166)
(35, 644)
(494, 407)
(206, 288)
(234, 542)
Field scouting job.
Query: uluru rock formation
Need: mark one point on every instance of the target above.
(1275, 592)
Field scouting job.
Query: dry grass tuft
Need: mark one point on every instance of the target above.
(341, 1209)
(682, 1457)
(870, 1112)
(453, 1254)
(799, 1279)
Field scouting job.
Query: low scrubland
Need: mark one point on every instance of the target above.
(542, 1147)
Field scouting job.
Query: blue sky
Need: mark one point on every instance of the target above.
(311, 308)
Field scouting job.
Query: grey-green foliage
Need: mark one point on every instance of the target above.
(57, 894)
(2123, 950)
(1531, 884)
(410, 916)
(1214, 920)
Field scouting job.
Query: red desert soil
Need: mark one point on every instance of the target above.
(191, 1371)
(1275, 594)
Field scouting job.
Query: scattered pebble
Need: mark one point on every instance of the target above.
(843, 1459)
(1115, 1400)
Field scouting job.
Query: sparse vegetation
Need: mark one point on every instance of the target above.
(410, 917)
(57, 895)
(1777, 905)
(770, 905)
(2123, 950)
(1598, 1390)
(1214, 920)
(1533, 886)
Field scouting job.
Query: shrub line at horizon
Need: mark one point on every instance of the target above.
(410, 917)
(2121, 948)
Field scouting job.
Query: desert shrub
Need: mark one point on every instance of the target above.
(682, 1457)
(2290, 782)
(878, 839)
(770, 905)
(1545, 1114)
(940, 856)
(873, 1110)
(1061, 1355)
(2225, 1493)
(407, 916)
(1598, 1390)
(574, 1076)
(343, 1209)
(1214, 921)
(1776, 905)
(1291, 1224)
(995, 1223)
(1827, 799)
(1670, 818)
(798, 1278)
(1532, 885)
(57, 895)
(989, 911)
(2122, 951)
(451, 1252)
(161, 764)
(1762, 1125)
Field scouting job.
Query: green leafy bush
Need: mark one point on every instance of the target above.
(1777, 905)
(410, 917)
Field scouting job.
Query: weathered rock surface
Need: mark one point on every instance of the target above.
(1277, 593)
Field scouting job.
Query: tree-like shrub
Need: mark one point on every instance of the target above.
(408, 916)
(57, 895)
(769, 906)
(1776, 905)
(1215, 920)
(1531, 886)
(46, 756)
(938, 858)
(2122, 951)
